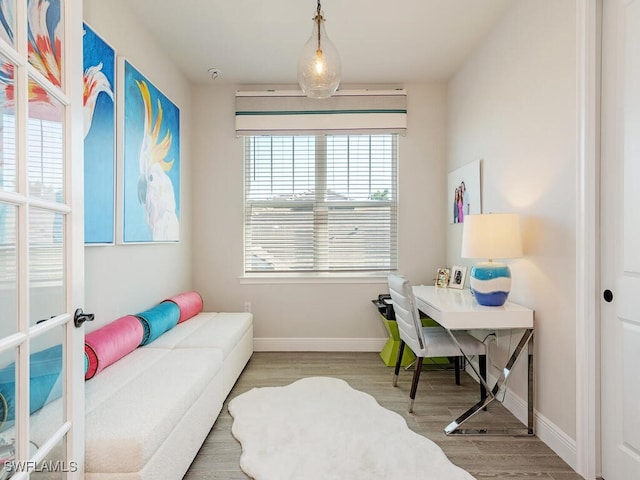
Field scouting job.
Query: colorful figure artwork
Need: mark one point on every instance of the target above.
(463, 192)
(151, 162)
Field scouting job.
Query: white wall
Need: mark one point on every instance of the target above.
(513, 105)
(126, 279)
(310, 315)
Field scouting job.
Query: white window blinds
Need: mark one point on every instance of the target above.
(45, 176)
(320, 203)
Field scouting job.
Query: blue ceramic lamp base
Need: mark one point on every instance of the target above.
(490, 283)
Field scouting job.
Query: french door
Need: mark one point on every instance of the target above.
(41, 239)
(620, 240)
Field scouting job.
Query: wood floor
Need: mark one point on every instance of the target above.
(438, 401)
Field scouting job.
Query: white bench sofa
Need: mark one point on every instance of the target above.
(148, 414)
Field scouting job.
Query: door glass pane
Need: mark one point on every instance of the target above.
(8, 270)
(45, 145)
(46, 265)
(45, 380)
(7, 20)
(46, 41)
(54, 466)
(7, 403)
(7, 125)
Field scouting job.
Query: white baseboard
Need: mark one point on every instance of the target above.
(547, 431)
(556, 439)
(270, 344)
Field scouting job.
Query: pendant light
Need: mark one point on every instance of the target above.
(319, 66)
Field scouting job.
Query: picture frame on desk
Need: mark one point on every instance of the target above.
(458, 277)
(442, 277)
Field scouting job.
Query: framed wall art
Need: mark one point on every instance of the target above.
(99, 139)
(151, 161)
(463, 192)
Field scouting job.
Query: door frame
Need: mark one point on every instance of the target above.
(74, 400)
(588, 73)
(588, 271)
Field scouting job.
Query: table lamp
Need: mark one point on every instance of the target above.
(491, 236)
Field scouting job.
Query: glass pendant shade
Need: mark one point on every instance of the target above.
(319, 67)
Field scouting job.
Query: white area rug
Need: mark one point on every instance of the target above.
(320, 428)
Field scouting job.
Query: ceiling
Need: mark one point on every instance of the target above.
(258, 41)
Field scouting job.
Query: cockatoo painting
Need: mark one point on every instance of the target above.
(151, 162)
(99, 138)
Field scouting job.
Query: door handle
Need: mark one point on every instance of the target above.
(80, 317)
(608, 295)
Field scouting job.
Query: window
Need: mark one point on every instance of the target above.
(320, 203)
(45, 175)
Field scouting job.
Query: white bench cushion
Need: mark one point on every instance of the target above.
(216, 330)
(134, 417)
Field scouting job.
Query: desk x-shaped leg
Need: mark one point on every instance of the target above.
(526, 343)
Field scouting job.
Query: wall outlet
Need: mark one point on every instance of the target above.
(247, 307)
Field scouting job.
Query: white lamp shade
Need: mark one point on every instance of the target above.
(493, 235)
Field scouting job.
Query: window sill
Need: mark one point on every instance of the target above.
(302, 278)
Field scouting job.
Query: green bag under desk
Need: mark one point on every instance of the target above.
(389, 353)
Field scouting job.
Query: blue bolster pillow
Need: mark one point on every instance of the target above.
(45, 378)
(158, 320)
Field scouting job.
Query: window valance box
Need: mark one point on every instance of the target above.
(347, 112)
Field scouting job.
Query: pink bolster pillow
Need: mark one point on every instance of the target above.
(189, 303)
(110, 343)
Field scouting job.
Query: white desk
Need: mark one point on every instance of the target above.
(458, 310)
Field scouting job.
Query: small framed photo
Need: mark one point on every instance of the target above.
(458, 276)
(442, 277)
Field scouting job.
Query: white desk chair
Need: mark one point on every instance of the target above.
(427, 342)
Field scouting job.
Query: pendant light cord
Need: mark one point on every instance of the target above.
(318, 20)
